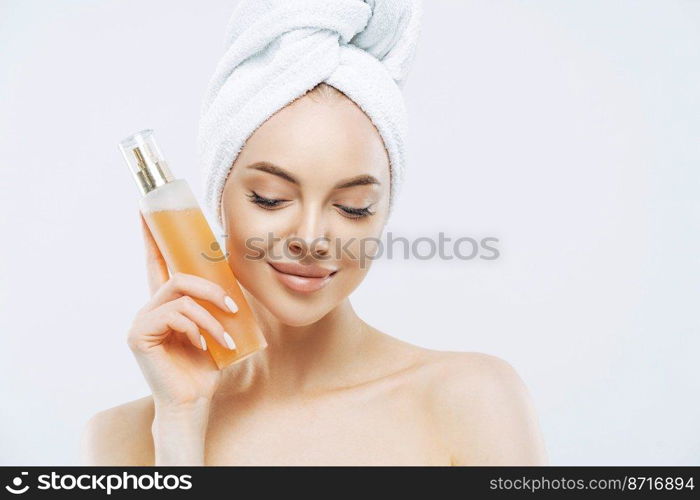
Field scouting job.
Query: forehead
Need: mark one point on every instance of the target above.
(330, 137)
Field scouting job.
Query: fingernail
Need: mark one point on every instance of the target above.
(231, 304)
(203, 342)
(229, 341)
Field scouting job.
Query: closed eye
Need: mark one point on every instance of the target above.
(355, 213)
(268, 203)
(273, 203)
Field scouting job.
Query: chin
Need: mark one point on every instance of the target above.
(293, 306)
(296, 308)
(295, 314)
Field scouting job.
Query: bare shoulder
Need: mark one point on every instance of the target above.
(475, 368)
(445, 371)
(120, 436)
(483, 409)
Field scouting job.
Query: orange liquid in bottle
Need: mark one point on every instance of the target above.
(188, 246)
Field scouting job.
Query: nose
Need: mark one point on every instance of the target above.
(310, 239)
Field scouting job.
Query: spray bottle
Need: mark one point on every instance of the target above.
(187, 243)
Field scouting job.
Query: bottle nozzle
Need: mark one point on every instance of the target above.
(145, 161)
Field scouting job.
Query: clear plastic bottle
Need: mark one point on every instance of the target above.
(188, 245)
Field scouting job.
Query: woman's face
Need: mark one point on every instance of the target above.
(307, 195)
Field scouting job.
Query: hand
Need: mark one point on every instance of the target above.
(165, 333)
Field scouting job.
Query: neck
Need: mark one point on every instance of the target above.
(302, 359)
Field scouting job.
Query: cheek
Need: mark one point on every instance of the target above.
(245, 227)
(243, 241)
(356, 248)
(352, 273)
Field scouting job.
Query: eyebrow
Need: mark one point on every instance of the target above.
(270, 168)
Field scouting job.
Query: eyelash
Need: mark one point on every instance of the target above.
(271, 204)
(264, 202)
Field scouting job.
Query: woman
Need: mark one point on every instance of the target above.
(329, 389)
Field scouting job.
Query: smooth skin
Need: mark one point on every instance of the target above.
(329, 389)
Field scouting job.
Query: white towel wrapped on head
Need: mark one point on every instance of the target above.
(277, 50)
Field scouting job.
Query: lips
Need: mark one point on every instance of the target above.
(300, 277)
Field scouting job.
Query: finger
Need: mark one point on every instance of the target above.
(181, 323)
(189, 307)
(160, 325)
(156, 268)
(180, 284)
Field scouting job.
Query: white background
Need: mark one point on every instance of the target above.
(570, 130)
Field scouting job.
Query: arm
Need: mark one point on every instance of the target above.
(486, 414)
(141, 433)
(179, 434)
(125, 435)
